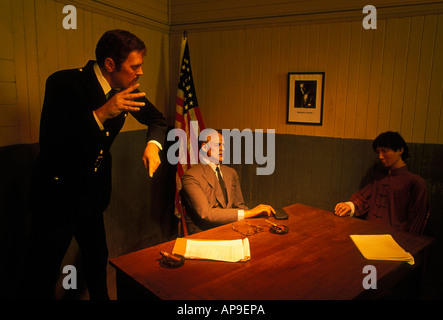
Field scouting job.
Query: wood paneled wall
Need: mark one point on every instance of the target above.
(241, 52)
(35, 44)
(231, 13)
(375, 80)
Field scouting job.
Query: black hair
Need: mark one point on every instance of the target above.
(391, 140)
(117, 45)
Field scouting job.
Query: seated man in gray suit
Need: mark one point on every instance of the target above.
(207, 205)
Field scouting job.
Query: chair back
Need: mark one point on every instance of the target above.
(182, 222)
(425, 222)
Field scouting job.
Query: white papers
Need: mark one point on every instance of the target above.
(381, 247)
(219, 250)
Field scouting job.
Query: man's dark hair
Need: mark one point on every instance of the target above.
(117, 45)
(391, 140)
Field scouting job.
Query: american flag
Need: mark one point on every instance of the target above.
(187, 110)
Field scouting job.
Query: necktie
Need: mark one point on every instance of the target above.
(222, 184)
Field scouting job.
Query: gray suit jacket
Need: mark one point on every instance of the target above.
(204, 201)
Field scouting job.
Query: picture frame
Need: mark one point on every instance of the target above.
(305, 97)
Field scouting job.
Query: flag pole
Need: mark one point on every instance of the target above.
(186, 116)
(183, 44)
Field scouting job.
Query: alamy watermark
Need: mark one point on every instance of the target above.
(70, 21)
(370, 281)
(254, 147)
(70, 281)
(370, 21)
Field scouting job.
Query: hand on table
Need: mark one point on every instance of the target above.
(261, 209)
(342, 209)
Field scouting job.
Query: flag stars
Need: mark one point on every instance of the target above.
(186, 84)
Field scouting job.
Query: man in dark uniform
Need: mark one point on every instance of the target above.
(83, 111)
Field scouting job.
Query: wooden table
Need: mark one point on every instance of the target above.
(316, 259)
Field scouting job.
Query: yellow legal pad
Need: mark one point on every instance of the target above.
(219, 250)
(381, 247)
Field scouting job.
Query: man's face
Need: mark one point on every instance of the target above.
(130, 71)
(389, 158)
(215, 148)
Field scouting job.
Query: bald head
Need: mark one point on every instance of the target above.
(212, 146)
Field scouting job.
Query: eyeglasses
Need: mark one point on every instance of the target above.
(252, 229)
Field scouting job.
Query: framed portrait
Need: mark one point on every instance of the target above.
(305, 97)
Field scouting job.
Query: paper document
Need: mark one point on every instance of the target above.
(220, 250)
(381, 247)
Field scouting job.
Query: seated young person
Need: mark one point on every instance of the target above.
(207, 206)
(395, 196)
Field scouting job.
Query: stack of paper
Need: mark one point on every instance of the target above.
(381, 247)
(220, 250)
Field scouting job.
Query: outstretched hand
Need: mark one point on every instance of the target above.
(122, 101)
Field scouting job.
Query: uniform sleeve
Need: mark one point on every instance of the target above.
(66, 123)
(154, 119)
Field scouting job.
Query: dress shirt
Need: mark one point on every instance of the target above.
(213, 166)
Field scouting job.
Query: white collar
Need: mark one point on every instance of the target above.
(101, 79)
(213, 166)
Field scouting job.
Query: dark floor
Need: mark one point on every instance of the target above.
(81, 293)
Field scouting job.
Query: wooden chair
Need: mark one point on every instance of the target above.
(425, 222)
(183, 214)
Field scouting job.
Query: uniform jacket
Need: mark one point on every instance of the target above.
(73, 149)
